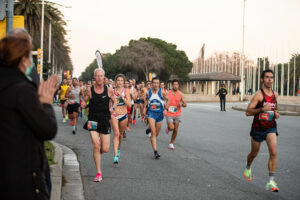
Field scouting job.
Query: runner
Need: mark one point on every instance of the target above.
(98, 119)
(62, 93)
(140, 100)
(120, 117)
(73, 94)
(128, 86)
(155, 103)
(263, 106)
(176, 100)
(135, 105)
(162, 86)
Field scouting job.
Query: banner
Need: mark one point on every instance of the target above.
(99, 59)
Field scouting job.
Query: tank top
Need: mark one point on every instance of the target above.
(120, 100)
(76, 93)
(265, 120)
(63, 89)
(99, 105)
(174, 105)
(156, 102)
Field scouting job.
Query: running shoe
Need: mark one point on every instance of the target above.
(74, 132)
(127, 128)
(272, 186)
(67, 117)
(171, 146)
(133, 122)
(156, 155)
(147, 131)
(64, 120)
(116, 159)
(98, 178)
(248, 174)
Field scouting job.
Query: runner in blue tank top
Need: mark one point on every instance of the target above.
(155, 102)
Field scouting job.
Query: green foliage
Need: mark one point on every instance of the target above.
(175, 61)
(143, 56)
(49, 148)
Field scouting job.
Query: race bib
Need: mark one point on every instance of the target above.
(91, 125)
(120, 101)
(155, 106)
(173, 109)
(266, 116)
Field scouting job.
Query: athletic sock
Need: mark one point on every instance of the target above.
(271, 175)
(248, 165)
(134, 117)
(74, 128)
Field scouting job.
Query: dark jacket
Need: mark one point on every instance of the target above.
(222, 92)
(24, 125)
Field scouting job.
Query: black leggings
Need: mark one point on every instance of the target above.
(222, 103)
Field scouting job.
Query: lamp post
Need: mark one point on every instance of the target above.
(243, 46)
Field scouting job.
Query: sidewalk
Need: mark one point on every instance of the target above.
(66, 165)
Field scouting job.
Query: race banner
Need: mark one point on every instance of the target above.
(99, 59)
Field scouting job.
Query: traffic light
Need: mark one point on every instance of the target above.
(39, 53)
(38, 69)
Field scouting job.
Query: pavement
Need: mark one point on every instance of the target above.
(207, 163)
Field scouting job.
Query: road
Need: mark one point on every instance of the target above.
(208, 161)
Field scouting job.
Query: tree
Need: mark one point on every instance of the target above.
(32, 11)
(175, 61)
(141, 56)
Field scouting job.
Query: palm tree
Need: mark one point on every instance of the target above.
(32, 11)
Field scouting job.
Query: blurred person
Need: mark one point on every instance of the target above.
(73, 94)
(162, 86)
(62, 93)
(26, 121)
(222, 94)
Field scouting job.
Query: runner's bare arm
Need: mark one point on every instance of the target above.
(127, 99)
(183, 100)
(112, 96)
(145, 103)
(277, 115)
(165, 96)
(87, 95)
(251, 110)
(68, 92)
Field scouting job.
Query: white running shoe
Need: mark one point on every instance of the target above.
(171, 146)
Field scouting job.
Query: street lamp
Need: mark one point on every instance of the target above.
(243, 41)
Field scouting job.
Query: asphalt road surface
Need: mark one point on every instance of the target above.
(207, 163)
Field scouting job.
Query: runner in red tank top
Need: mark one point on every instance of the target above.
(176, 100)
(263, 106)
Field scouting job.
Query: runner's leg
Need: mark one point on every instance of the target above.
(122, 126)
(96, 150)
(176, 125)
(152, 127)
(255, 146)
(272, 146)
(115, 126)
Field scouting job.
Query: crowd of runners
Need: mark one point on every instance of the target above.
(114, 106)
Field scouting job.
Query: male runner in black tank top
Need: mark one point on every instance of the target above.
(98, 120)
(263, 106)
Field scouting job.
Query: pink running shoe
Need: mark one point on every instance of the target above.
(98, 177)
(134, 122)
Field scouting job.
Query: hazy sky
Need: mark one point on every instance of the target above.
(272, 27)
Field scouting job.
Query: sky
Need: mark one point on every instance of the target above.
(272, 27)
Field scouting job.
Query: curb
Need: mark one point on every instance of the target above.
(288, 113)
(56, 173)
(73, 188)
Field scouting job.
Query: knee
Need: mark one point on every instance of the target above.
(273, 154)
(105, 149)
(117, 134)
(171, 128)
(97, 146)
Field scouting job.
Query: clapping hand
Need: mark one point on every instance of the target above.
(47, 89)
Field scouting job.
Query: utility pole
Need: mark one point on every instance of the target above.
(10, 16)
(42, 41)
(294, 85)
(288, 80)
(282, 79)
(243, 46)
